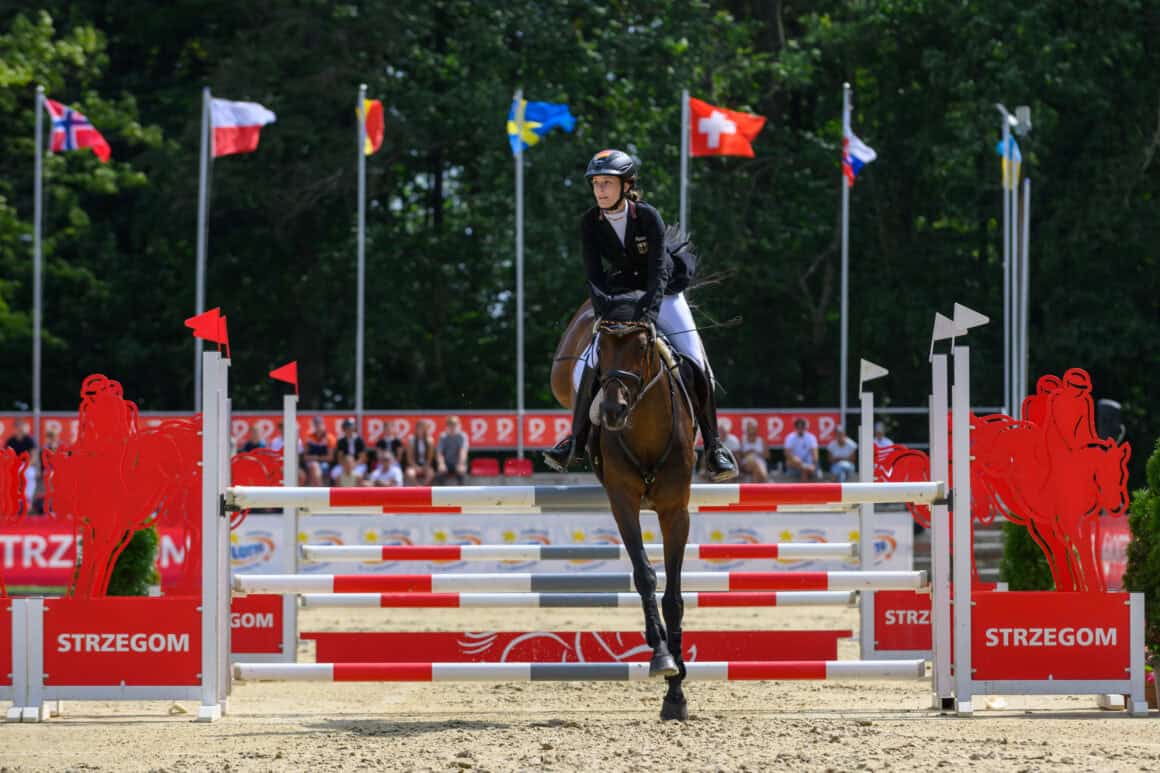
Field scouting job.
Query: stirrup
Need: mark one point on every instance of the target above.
(551, 460)
(721, 475)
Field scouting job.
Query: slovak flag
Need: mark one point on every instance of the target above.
(72, 131)
(719, 132)
(237, 126)
(855, 153)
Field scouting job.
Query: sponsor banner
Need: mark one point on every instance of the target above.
(5, 643)
(893, 542)
(567, 646)
(487, 430)
(1036, 636)
(256, 624)
(1114, 536)
(41, 552)
(130, 641)
(902, 621)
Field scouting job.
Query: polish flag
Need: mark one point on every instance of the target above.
(237, 125)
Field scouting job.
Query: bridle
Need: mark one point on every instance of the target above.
(643, 383)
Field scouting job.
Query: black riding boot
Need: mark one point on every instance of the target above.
(719, 460)
(560, 457)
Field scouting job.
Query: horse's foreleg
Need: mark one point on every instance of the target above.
(645, 580)
(675, 528)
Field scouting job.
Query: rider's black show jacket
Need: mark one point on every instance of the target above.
(641, 263)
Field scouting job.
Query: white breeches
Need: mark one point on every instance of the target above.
(675, 322)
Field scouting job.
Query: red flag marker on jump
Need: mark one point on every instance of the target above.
(287, 373)
(211, 326)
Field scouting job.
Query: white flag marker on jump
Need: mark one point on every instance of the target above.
(967, 318)
(944, 328)
(868, 371)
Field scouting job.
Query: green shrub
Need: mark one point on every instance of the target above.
(136, 567)
(1023, 566)
(1143, 572)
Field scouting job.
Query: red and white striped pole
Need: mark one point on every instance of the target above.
(574, 600)
(801, 551)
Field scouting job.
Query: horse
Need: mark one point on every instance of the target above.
(641, 448)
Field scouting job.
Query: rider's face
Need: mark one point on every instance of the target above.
(606, 188)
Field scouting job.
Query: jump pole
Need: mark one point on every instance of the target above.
(563, 582)
(773, 551)
(573, 600)
(719, 671)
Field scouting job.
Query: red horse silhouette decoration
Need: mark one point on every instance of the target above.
(12, 469)
(1050, 472)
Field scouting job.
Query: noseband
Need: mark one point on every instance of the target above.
(634, 384)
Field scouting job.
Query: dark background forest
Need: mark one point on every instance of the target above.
(925, 217)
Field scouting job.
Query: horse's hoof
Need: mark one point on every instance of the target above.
(678, 710)
(663, 664)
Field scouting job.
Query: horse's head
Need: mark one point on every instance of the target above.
(627, 363)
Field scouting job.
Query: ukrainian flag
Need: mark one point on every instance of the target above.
(1012, 161)
(529, 121)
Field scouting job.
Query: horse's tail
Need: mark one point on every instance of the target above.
(687, 261)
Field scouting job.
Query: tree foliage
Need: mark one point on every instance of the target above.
(925, 218)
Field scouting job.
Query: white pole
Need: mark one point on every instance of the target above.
(202, 237)
(963, 553)
(37, 263)
(684, 211)
(1013, 325)
(940, 541)
(519, 276)
(843, 349)
(360, 305)
(1024, 292)
(1006, 138)
(866, 524)
(290, 525)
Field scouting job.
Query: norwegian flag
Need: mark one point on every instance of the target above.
(72, 131)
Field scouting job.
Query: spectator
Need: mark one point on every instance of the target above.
(316, 452)
(843, 456)
(253, 441)
(880, 439)
(451, 453)
(279, 440)
(753, 464)
(348, 476)
(419, 467)
(801, 452)
(388, 473)
(21, 440)
(390, 441)
(350, 443)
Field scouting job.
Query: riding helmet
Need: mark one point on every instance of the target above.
(616, 163)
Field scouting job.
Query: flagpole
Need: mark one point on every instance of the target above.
(684, 210)
(359, 340)
(37, 261)
(519, 160)
(1005, 165)
(843, 374)
(202, 237)
(1024, 291)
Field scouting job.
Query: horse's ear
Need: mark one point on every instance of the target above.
(600, 300)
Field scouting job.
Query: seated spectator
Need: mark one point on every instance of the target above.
(350, 443)
(253, 440)
(880, 439)
(279, 440)
(387, 473)
(21, 440)
(801, 452)
(843, 456)
(451, 453)
(419, 464)
(317, 448)
(348, 476)
(752, 458)
(390, 441)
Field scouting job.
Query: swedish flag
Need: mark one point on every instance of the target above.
(529, 121)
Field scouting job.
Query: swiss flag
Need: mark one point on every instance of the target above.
(720, 132)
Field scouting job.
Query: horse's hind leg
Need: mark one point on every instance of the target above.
(644, 578)
(675, 528)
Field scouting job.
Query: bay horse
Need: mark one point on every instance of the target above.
(641, 449)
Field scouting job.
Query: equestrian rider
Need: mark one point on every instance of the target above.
(625, 249)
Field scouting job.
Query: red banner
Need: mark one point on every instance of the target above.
(487, 430)
(132, 641)
(256, 624)
(41, 552)
(567, 646)
(902, 621)
(1036, 636)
